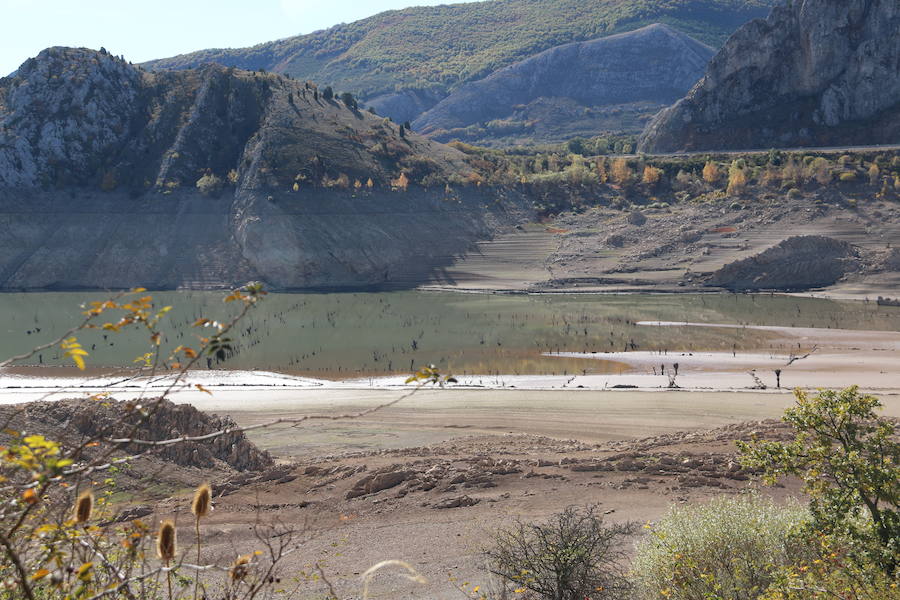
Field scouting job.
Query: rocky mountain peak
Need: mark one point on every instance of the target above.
(815, 72)
(65, 106)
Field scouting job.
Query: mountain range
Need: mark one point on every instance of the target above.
(402, 63)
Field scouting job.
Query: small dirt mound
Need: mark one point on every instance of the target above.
(71, 421)
(797, 263)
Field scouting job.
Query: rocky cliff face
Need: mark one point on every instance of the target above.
(634, 72)
(113, 177)
(75, 116)
(815, 73)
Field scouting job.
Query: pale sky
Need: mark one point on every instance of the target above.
(159, 28)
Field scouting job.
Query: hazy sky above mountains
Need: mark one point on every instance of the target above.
(160, 28)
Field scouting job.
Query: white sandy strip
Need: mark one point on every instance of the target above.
(14, 384)
(700, 371)
(687, 361)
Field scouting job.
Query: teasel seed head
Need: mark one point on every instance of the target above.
(84, 506)
(165, 541)
(202, 502)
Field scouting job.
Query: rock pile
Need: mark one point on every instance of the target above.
(74, 420)
(440, 475)
(797, 263)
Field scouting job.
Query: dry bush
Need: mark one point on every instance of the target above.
(684, 180)
(792, 173)
(210, 185)
(819, 170)
(724, 548)
(572, 556)
(770, 177)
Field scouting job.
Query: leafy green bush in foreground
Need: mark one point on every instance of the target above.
(725, 548)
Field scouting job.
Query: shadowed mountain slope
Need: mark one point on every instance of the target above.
(581, 88)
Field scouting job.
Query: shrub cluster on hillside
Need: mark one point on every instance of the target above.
(571, 177)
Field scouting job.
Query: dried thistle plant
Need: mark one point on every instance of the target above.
(202, 503)
(84, 507)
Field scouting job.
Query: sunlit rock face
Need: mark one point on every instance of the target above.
(815, 73)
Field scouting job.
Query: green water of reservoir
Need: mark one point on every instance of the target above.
(353, 334)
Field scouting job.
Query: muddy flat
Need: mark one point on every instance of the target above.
(467, 462)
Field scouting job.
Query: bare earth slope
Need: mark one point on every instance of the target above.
(815, 73)
(634, 72)
(688, 247)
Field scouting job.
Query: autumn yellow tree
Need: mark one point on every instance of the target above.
(401, 183)
(711, 173)
(874, 173)
(652, 175)
(602, 172)
(737, 180)
(621, 173)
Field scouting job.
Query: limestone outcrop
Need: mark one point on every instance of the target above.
(814, 73)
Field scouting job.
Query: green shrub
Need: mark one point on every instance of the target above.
(847, 176)
(210, 185)
(833, 575)
(726, 548)
(848, 457)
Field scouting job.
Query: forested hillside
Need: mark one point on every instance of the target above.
(431, 50)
